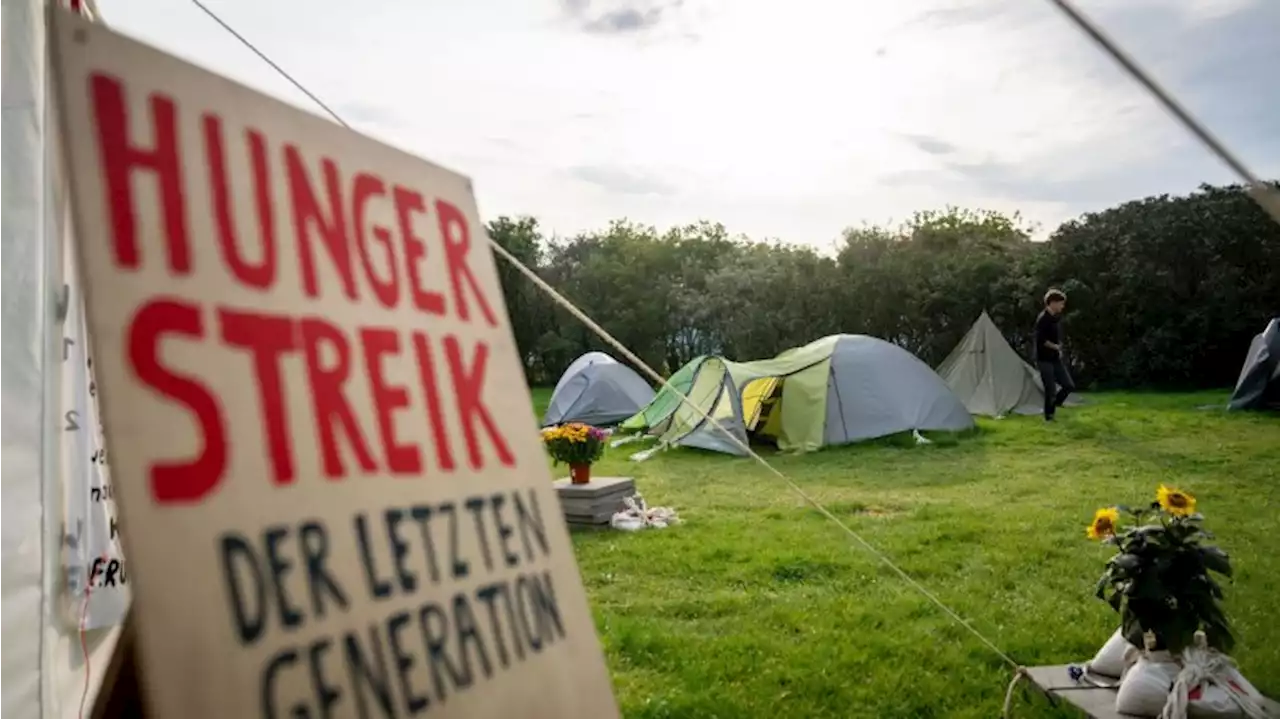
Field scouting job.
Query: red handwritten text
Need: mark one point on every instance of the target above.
(326, 223)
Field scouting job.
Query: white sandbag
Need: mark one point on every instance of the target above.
(627, 522)
(1109, 661)
(1231, 695)
(1243, 693)
(636, 515)
(1210, 687)
(662, 517)
(1210, 701)
(1144, 688)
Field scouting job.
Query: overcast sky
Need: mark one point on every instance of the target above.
(789, 119)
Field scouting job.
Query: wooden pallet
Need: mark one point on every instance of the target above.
(1097, 702)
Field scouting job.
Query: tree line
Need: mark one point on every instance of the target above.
(1165, 291)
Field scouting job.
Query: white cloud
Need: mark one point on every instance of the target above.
(779, 119)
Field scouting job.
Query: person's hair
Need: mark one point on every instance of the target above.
(1054, 296)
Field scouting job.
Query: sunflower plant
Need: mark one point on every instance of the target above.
(1159, 580)
(574, 443)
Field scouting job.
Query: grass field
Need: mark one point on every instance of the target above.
(758, 606)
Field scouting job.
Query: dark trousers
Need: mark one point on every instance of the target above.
(1057, 384)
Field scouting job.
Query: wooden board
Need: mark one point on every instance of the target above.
(1097, 702)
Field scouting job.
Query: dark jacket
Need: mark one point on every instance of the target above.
(1048, 329)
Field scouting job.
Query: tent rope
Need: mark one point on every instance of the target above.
(617, 345)
(263, 56)
(1265, 195)
(1018, 675)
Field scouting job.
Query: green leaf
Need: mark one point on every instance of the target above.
(1216, 559)
(1149, 587)
(1211, 612)
(1215, 590)
(1103, 583)
(1127, 562)
(1131, 628)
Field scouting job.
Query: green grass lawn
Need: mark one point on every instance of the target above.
(759, 606)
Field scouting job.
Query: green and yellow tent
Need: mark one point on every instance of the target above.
(836, 390)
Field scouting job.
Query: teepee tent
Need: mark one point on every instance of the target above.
(1259, 384)
(988, 375)
(599, 390)
(837, 390)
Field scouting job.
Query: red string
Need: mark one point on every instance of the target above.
(84, 640)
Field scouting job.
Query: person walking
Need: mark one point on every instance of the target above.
(1053, 373)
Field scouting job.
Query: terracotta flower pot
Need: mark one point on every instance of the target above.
(580, 473)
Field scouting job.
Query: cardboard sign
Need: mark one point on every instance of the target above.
(331, 487)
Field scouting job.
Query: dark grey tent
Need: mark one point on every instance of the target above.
(597, 390)
(1259, 384)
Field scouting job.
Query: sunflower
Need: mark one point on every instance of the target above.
(1175, 501)
(1104, 523)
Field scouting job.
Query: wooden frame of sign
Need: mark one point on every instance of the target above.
(330, 482)
(120, 693)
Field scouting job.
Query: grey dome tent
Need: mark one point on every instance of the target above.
(598, 390)
(988, 376)
(1259, 384)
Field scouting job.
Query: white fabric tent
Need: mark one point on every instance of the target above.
(988, 376)
(45, 673)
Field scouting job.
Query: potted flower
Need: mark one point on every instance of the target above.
(577, 445)
(1160, 578)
